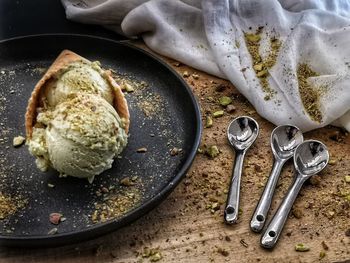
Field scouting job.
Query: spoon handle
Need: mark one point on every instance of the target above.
(259, 217)
(274, 229)
(232, 204)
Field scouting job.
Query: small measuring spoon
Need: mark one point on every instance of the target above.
(241, 133)
(310, 158)
(284, 140)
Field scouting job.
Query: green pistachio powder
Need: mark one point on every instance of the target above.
(310, 97)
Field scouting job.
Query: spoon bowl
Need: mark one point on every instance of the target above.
(284, 140)
(310, 158)
(242, 132)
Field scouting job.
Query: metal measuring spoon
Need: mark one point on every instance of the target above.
(310, 158)
(241, 133)
(284, 140)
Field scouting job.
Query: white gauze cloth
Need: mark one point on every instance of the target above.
(210, 35)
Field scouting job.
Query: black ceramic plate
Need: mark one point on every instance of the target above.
(164, 116)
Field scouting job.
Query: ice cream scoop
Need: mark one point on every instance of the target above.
(81, 76)
(77, 118)
(80, 138)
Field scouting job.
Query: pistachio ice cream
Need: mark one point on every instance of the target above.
(80, 137)
(77, 118)
(81, 76)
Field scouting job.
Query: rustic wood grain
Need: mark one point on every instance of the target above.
(186, 227)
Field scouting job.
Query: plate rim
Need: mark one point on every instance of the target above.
(113, 225)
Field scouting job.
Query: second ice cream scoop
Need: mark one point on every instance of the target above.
(80, 138)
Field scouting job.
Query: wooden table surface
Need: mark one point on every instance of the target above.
(188, 226)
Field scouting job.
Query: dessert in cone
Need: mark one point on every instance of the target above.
(77, 118)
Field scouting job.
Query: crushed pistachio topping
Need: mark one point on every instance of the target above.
(9, 205)
(309, 96)
(208, 122)
(322, 254)
(224, 101)
(218, 113)
(301, 247)
(261, 66)
(116, 203)
(128, 87)
(18, 141)
(212, 151)
(153, 254)
(347, 178)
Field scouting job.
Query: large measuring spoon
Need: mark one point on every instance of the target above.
(310, 158)
(284, 140)
(241, 133)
